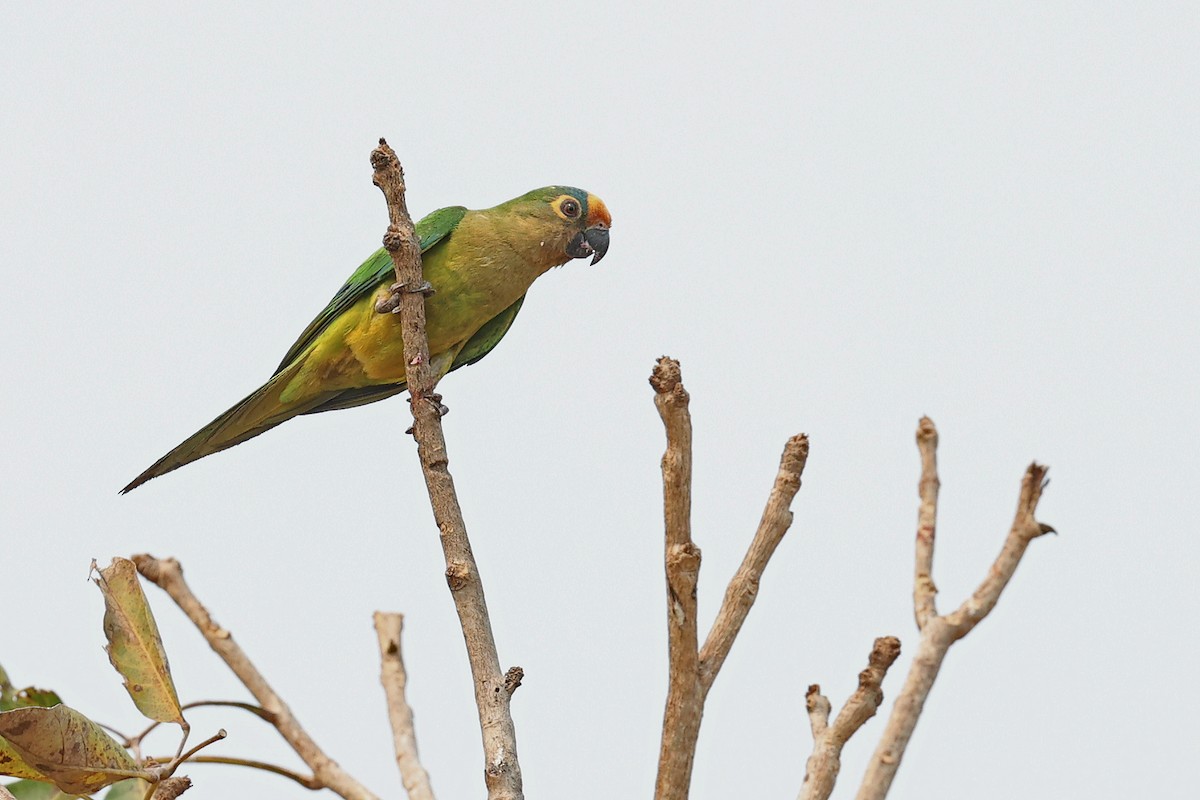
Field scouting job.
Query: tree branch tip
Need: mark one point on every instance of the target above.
(795, 453)
(813, 689)
(927, 431)
(512, 679)
(1045, 528)
(171, 788)
(887, 648)
(155, 569)
(667, 376)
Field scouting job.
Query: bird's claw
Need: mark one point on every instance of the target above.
(391, 303)
(435, 400)
(424, 287)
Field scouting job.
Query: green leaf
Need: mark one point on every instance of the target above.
(134, 646)
(10, 698)
(36, 790)
(31, 696)
(132, 789)
(6, 690)
(68, 748)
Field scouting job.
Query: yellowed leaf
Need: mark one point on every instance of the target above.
(134, 646)
(68, 748)
(12, 764)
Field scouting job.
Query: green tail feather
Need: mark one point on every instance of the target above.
(256, 414)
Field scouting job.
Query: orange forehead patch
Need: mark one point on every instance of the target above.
(598, 212)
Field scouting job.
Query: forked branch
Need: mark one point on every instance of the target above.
(692, 669)
(938, 633)
(821, 772)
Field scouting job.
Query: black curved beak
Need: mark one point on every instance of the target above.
(590, 242)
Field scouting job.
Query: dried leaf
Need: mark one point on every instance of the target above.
(67, 747)
(10, 762)
(134, 646)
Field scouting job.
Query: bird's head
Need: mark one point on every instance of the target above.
(571, 222)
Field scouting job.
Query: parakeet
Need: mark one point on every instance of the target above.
(480, 264)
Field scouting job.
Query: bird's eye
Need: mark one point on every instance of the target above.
(569, 208)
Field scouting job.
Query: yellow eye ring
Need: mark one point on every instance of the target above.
(569, 208)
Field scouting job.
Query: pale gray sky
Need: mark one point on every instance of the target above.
(838, 217)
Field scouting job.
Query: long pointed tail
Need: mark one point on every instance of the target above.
(256, 414)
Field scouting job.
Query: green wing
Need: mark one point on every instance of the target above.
(375, 270)
(478, 346)
(487, 337)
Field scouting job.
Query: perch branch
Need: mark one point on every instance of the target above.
(502, 771)
(168, 576)
(828, 740)
(388, 628)
(743, 587)
(940, 632)
(685, 699)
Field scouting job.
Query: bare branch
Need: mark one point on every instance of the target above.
(828, 740)
(685, 699)
(939, 632)
(168, 576)
(1025, 528)
(743, 588)
(692, 669)
(388, 627)
(924, 589)
(818, 708)
(5, 794)
(502, 771)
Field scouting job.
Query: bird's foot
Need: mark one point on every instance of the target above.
(391, 303)
(439, 408)
(435, 400)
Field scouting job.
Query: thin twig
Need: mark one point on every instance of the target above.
(257, 711)
(940, 632)
(823, 766)
(394, 678)
(685, 699)
(743, 587)
(307, 781)
(218, 736)
(502, 771)
(924, 590)
(167, 574)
